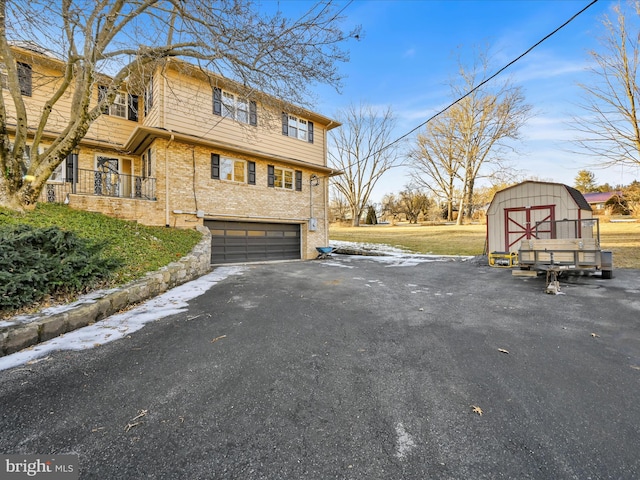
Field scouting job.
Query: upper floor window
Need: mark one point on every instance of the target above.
(232, 169)
(124, 105)
(295, 127)
(119, 106)
(227, 104)
(24, 78)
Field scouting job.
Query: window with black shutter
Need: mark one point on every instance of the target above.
(24, 78)
(253, 114)
(215, 166)
(295, 127)
(298, 180)
(102, 95)
(217, 101)
(71, 160)
(271, 176)
(251, 167)
(148, 97)
(133, 108)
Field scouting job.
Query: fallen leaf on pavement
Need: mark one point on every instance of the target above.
(502, 350)
(218, 338)
(477, 410)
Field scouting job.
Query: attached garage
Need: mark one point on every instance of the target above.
(525, 210)
(239, 242)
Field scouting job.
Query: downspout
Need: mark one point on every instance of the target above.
(166, 151)
(166, 182)
(325, 186)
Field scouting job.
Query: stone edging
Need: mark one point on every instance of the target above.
(28, 330)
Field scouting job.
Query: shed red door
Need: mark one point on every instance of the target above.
(520, 224)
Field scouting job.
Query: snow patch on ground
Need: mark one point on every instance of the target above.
(393, 256)
(120, 325)
(405, 443)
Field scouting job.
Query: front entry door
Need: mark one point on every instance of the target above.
(107, 177)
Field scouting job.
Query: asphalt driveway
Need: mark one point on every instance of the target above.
(352, 368)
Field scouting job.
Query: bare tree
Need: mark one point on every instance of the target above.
(473, 133)
(338, 206)
(609, 128)
(413, 203)
(363, 151)
(116, 41)
(487, 118)
(436, 159)
(389, 209)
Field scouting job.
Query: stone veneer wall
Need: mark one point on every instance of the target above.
(29, 330)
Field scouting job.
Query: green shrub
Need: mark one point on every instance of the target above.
(36, 262)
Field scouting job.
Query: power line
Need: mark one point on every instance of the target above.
(526, 52)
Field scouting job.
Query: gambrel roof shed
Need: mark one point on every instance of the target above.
(515, 212)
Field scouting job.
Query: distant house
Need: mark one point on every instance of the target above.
(187, 148)
(605, 202)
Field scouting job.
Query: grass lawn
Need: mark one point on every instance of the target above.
(139, 248)
(621, 238)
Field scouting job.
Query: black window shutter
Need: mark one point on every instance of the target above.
(24, 78)
(148, 97)
(251, 166)
(133, 108)
(310, 132)
(253, 114)
(285, 124)
(298, 180)
(102, 94)
(69, 168)
(217, 101)
(271, 176)
(215, 165)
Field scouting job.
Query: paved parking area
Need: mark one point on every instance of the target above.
(352, 368)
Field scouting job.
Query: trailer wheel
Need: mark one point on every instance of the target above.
(607, 274)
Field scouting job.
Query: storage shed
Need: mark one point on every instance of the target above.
(528, 210)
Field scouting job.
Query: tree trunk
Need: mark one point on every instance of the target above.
(355, 217)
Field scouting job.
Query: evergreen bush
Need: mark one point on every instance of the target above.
(371, 219)
(36, 262)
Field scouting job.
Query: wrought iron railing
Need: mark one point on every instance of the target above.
(101, 183)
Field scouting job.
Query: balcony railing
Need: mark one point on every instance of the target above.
(101, 183)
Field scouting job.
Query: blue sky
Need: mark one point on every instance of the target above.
(408, 54)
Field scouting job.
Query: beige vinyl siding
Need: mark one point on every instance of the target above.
(111, 129)
(152, 119)
(189, 109)
(45, 81)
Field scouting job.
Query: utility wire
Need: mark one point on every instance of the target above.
(476, 87)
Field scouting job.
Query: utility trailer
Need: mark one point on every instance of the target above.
(564, 246)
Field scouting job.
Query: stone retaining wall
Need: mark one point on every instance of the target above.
(27, 330)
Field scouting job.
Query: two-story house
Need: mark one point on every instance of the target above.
(195, 149)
